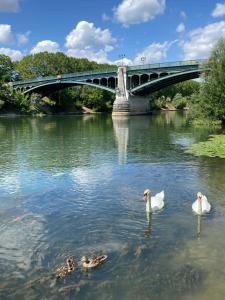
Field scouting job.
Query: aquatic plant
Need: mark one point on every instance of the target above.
(214, 147)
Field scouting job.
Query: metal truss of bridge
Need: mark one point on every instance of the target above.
(130, 84)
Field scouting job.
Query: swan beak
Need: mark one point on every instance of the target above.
(145, 197)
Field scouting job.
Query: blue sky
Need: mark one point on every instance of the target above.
(101, 30)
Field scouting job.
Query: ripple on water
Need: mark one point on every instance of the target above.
(78, 191)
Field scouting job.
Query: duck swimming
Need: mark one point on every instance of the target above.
(154, 203)
(201, 205)
(93, 262)
(66, 269)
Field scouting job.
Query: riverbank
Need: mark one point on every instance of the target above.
(83, 111)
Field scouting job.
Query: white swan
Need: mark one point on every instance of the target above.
(153, 203)
(201, 205)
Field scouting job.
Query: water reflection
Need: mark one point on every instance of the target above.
(69, 186)
(148, 230)
(121, 129)
(199, 226)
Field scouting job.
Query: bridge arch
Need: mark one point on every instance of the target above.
(104, 81)
(96, 81)
(144, 78)
(112, 82)
(162, 82)
(65, 84)
(135, 80)
(163, 74)
(154, 76)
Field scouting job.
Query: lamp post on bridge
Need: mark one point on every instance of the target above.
(143, 59)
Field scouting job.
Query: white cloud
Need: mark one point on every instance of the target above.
(9, 5)
(88, 41)
(46, 45)
(125, 62)
(6, 36)
(13, 54)
(219, 10)
(23, 38)
(154, 53)
(138, 11)
(99, 57)
(180, 27)
(201, 40)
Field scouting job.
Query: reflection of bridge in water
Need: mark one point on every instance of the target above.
(158, 137)
(121, 129)
(129, 84)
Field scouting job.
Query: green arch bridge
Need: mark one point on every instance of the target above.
(130, 84)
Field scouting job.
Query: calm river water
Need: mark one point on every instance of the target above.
(74, 186)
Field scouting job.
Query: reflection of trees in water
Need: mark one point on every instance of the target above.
(175, 119)
(55, 141)
(150, 136)
(61, 141)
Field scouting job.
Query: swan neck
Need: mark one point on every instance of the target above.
(199, 205)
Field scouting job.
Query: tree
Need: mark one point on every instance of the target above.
(211, 99)
(6, 68)
(97, 99)
(51, 64)
(178, 95)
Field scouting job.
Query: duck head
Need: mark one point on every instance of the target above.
(84, 259)
(69, 261)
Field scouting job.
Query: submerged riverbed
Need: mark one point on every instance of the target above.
(73, 185)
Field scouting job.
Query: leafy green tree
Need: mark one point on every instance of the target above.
(179, 101)
(210, 103)
(21, 100)
(178, 95)
(6, 68)
(51, 64)
(185, 88)
(97, 99)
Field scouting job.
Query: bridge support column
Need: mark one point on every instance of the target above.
(125, 103)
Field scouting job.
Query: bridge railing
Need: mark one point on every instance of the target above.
(102, 72)
(167, 64)
(65, 76)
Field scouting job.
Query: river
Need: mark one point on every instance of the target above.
(73, 186)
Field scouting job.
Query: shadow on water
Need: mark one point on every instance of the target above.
(74, 185)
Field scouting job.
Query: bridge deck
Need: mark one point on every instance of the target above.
(113, 72)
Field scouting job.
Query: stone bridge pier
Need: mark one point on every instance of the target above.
(126, 103)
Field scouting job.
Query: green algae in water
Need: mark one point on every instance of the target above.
(214, 147)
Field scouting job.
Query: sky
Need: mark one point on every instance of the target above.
(109, 31)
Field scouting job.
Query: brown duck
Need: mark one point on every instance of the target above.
(94, 261)
(66, 269)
